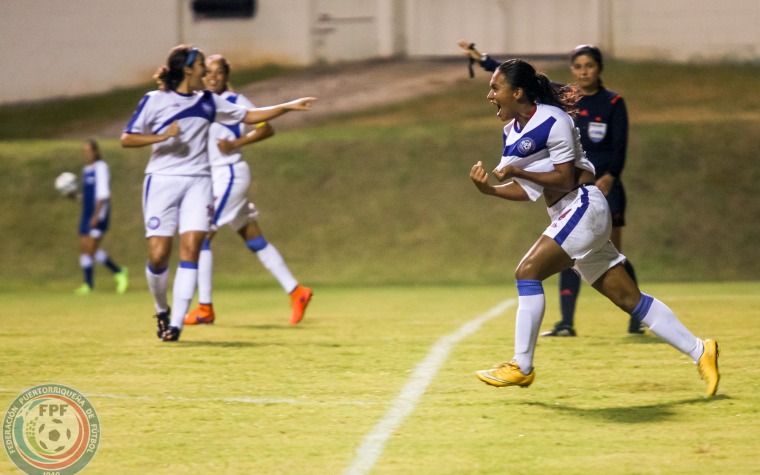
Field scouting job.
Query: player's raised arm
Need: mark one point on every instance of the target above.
(262, 114)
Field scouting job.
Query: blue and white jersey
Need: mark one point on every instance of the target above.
(549, 138)
(219, 131)
(96, 179)
(96, 186)
(187, 153)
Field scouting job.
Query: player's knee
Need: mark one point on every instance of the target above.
(625, 299)
(527, 269)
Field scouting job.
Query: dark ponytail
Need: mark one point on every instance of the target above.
(169, 77)
(537, 86)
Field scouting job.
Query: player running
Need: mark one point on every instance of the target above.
(231, 181)
(542, 155)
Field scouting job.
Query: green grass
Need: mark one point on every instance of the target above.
(383, 196)
(252, 394)
(55, 118)
(375, 211)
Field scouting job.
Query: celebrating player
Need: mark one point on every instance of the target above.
(602, 120)
(96, 213)
(542, 155)
(231, 181)
(174, 121)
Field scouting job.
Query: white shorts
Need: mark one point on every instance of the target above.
(581, 224)
(172, 203)
(231, 204)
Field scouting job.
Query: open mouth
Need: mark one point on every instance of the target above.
(498, 108)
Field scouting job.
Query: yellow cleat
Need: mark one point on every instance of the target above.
(83, 289)
(708, 366)
(202, 315)
(506, 374)
(122, 280)
(299, 299)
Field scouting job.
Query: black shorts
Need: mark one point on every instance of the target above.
(616, 200)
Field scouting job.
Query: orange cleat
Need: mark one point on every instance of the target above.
(203, 315)
(299, 299)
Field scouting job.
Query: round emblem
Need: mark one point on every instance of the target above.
(526, 146)
(154, 223)
(51, 428)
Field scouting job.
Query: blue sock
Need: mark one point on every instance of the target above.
(87, 271)
(256, 244)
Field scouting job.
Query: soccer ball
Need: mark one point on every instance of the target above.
(54, 435)
(66, 183)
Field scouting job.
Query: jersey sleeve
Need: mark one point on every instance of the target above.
(228, 113)
(619, 131)
(138, 124)
(488, 63)
(102, 181)
(244, 102)
(561, 141)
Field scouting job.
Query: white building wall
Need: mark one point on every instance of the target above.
(537, 27)
(52, 48)
(686, 30)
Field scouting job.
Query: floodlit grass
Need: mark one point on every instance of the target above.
(252, 394)
(375, 210)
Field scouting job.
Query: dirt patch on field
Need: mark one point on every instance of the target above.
(348, 87)
(352, 87)
(341, 88)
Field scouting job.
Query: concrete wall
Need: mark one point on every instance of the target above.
(53, 48)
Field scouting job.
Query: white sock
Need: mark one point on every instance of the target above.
(663, 322)
(158, 284)
(274, 263)
(531, 304)
(101, 256)
(185, 281)
(205, 269)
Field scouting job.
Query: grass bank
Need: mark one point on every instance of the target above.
(383, 196)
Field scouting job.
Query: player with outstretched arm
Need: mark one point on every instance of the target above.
(174, 122)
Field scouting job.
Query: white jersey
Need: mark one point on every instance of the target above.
(187, 153)
(219, 131)
(549, 138)
(98, 176)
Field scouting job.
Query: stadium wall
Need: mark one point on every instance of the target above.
(63, 48)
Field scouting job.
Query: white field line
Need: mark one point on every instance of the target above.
(374, 442)
(241, 399)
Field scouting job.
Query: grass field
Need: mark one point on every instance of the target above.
(375, 210)
(253, 395)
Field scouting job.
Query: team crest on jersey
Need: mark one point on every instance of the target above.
(526, 146)
(154, 223)
(597, 131)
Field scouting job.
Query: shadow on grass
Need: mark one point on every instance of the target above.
(630, 415)
(223, 344)
(265, 327)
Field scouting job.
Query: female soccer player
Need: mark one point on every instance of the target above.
(602, 120)
(231, 181)
(174, 121)
(542, 155)
(96, 213)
